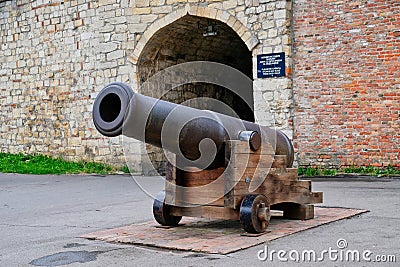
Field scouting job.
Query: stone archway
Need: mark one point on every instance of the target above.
(183, 40)
(204, 12)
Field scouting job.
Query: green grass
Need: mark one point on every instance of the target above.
(125, 169)
(309, 172)
(362, 170)
(40, 164)
(388, 171)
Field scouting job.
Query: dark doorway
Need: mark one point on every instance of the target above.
(191, 38)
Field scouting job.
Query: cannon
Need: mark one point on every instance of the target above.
(218, 167)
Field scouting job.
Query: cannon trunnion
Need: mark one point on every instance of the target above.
(218, 167)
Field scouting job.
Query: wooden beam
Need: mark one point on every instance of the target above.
(209, 212)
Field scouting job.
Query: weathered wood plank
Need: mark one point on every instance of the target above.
(251, 161)
(236, 174)
(299, 197)
(276, 191)
(170, 180)
(202, 177)
(279, 162)
(242, 147)
(209, 212)
(296, 211)
(273, 186)
(205, 187)
(211, 194)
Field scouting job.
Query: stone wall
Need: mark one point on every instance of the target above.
(347, 82)
(56, 55)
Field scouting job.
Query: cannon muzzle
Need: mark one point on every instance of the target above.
(192, 134)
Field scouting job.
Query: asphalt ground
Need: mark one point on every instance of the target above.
(42, 217)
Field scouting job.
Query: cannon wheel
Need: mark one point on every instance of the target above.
(162, 211)
(254, 213)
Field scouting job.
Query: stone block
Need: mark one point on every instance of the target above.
(229, 4)
(161, 10)
(280, 14)
(142, 3)
(141, 10)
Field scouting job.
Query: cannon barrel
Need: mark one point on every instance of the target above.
(185, 131)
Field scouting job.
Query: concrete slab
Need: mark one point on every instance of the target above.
(215, 236)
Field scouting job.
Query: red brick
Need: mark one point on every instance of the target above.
(354, 63)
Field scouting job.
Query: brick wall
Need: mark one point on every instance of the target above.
(347, 82)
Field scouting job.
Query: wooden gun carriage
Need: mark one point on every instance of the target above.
(249, 175)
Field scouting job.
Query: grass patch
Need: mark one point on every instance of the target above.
(363, 170)
(40, 164)
(125, 169)
(309, 172)
(370, 170)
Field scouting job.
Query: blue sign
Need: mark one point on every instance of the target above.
(271, 65)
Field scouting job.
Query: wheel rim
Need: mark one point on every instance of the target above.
(254, 213)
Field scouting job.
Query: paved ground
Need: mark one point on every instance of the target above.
(42, 216)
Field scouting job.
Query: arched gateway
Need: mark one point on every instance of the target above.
(195, 38)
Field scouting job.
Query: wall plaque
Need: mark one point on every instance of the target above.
(271, 65)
